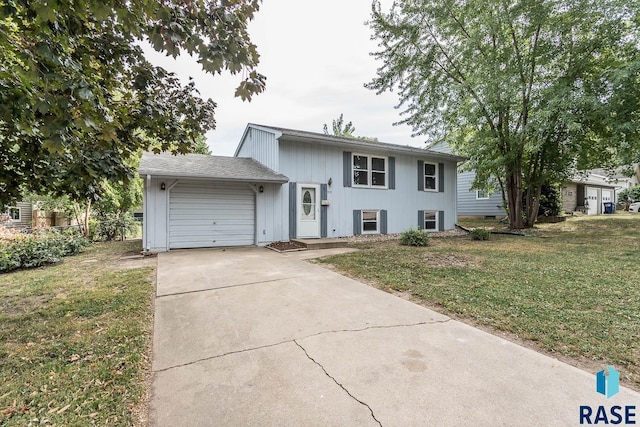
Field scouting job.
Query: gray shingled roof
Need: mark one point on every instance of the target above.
(356, 142)
(210, 167)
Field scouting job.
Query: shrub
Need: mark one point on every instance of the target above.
(413, 237)
(109, 226)
(39, 248)
(480, 234)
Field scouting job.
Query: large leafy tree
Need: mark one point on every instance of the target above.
(529, 90)
(78, 99)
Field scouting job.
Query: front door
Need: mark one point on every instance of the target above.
(308, 210)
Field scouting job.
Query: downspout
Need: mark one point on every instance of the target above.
(145, 218)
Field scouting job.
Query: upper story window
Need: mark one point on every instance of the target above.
(369, 171)
(430, 176)
(481, 195)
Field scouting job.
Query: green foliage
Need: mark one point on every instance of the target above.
(414, 237)
(629, 195)
(527, 90)
(346, 130)
(550, 201)
(480, 234)
(107, 226)
(201, 146)
(39, 248)
(76, 91)
(340, 128)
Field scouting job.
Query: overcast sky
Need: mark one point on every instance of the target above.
(315, 55)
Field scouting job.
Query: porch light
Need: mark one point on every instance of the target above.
(163, 186)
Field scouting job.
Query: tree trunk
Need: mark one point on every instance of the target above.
(532, 206)
(86, 218)
(514, 197)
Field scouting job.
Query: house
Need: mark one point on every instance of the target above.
(283, 184)
(588, 193)
(471, 202)
(477, 203)
(20, 215)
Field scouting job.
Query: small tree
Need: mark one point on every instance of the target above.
(629, 195)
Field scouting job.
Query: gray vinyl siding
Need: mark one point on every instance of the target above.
(26, 215)
(261, 146)
(468, 205)
(316, 163)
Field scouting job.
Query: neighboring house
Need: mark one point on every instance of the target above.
(284, 184)
(477, 202)
(588, 193)
(20, 215)
(472, 202)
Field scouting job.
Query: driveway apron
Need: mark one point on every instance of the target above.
(251, 337)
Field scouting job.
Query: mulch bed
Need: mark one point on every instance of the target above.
(286, 246)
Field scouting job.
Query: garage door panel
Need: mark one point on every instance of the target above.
(206, 215)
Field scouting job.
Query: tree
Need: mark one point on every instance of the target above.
(201, 146)
(346, 130)
(78, 98)
(340, 128)
(528, 90)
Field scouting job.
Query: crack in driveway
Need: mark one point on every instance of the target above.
(294, 340)
(239, 285)
(338, 384)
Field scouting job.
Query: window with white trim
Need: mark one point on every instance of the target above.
(482, 195)
(370, 222)
(369, 171)
(430, 176)
(431, 220)
(14, 213)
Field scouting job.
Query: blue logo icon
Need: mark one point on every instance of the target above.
(608, 383)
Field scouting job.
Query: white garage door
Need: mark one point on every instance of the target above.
(592, 198)
(212, 214)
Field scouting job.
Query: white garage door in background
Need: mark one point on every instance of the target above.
(592, 197)
(204, 215)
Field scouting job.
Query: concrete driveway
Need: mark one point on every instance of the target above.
(252, 337)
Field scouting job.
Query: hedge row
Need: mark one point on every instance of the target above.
(39, 248)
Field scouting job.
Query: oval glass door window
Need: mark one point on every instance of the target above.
(308, 203)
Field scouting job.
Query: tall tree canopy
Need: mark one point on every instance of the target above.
(529, 90)
(340, 128)
(78, 98)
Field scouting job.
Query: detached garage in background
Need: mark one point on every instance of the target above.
(588, 194)
(201, 201)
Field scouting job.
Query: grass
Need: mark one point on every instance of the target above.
(75, 340)
(573, 289)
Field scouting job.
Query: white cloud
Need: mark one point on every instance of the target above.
(316, 59)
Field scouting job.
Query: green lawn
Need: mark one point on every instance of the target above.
(75, 340)
(571, 289)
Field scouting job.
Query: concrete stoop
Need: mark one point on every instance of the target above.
(322, 243)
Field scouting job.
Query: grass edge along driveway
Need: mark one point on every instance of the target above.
(572, 290)
(75, 340)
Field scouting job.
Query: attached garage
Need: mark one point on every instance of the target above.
(200, 201)
(203, 215)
